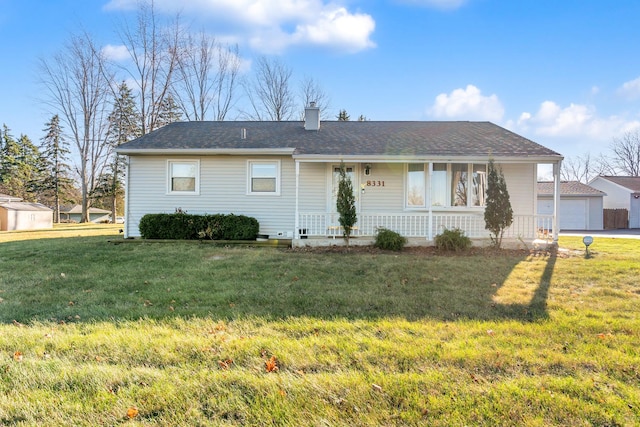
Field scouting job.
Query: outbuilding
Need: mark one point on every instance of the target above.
(580, 205)
(18, 215)
(623, 192)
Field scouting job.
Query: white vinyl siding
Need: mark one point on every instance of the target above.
(521, 180)
(378, 198)
(223, 189)
(313, 187)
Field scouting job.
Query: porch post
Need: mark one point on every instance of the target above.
(296, 231)
(556, 200)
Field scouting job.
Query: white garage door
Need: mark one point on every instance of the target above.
(573, 214)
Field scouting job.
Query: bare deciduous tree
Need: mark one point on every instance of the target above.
(207, 77)
(270, 93)
(154, 50)
(311, 91)
(78, 87)
(581, 168)
(626, 153)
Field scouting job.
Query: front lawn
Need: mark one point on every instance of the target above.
(186, 333)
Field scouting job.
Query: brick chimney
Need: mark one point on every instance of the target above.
(312, 117)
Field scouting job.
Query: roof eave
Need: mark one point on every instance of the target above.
(426, 158)
(285, 151)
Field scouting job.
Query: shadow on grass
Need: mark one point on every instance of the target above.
(87, 279)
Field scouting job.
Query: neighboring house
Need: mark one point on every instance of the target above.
(580, 205)
(623, 192)
(74, 214)
(18, 215)
(416, 178)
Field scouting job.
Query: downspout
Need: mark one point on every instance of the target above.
(296, 231)
(556, 200)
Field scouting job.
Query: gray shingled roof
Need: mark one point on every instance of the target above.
(630, 182)
(25, 206)
(337, 138)
(568, 188)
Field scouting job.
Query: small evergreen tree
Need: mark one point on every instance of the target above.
(346, 203)
(343, 116)
(498, 214)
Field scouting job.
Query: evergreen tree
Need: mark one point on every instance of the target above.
(124, 125)
(9, 154)
(55, 183)
(19, 166)
(498, 214)
(346, 203)
(169, 112)
(343, 116)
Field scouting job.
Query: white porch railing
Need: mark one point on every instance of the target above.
(419, 225)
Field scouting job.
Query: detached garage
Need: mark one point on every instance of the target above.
(580, 205)
(17, 215)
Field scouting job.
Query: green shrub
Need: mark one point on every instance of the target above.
(182, 226)
(453, 240)
(389, 240)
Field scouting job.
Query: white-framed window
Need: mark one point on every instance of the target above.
(263, 177)
(446, 185)
(183, 177)
(416, 185)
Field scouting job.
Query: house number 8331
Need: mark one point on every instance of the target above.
(375, 183)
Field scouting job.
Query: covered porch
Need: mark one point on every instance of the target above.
(424, 226)
(376, 209)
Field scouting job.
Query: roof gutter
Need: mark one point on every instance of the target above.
(422, 158)
(206, 151)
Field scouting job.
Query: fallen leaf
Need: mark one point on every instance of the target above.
(18, 356)
(271, 365)
(132, 412)
(147, 303)
(282, 393)
(491, 332)
(376, 387)
(225, 364)
(71, 303)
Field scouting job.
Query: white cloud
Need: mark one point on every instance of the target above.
(467, 104)
(275, 25)
(438, 4)
(630, 89)
(116, 53)
(574, 121)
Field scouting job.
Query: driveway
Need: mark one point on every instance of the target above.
(628, 233)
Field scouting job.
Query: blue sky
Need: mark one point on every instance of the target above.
(563, 73)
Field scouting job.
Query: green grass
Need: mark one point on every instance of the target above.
(182, 331)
